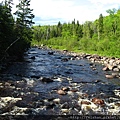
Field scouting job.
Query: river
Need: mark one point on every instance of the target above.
(38, 79)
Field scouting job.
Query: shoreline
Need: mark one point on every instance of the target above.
(109, 63)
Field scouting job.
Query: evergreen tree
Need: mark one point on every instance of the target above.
(59, 29)
(100, 26)
(23, 25)
(6, 26)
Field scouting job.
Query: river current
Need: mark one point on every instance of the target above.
(84, 83)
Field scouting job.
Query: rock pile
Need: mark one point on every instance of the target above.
(109, 64)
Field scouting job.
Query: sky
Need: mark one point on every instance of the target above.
(50, 12)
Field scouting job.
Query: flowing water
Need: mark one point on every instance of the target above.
(84, 83)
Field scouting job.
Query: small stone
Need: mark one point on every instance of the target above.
(50, 52)
(85, 102)
(74, 90)
(105, 68)
(61, 92)
(110, 67)
(57, 100)
(33, 57)
(65, 88)
(7, 84)
(97, 81)
(115, 74)
(35, 76)
(64, 59)
(111, 61)
(98, 101)
(44, 79)
(118, 62)
(116, 69)
(65, 50)
(118, 66)
(85, 95)
(117, 104)
(110, 76)
(65, 110)
(65, 106)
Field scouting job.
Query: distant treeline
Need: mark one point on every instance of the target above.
(101, 36)
(15, 33)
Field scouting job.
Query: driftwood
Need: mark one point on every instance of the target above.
(9, 48)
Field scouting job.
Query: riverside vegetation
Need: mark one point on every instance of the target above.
(15, 31)
(101, 36)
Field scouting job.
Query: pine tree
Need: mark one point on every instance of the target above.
(100, 26)
(23, 25)
(6, 26)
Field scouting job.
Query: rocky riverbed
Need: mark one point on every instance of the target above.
(51, 82)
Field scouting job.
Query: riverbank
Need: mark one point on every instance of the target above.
(109, 63)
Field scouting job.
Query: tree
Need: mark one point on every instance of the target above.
(59, 29)
(100, 26)
(37, 33)
(88, 30)
(6, 26)
(23, 25)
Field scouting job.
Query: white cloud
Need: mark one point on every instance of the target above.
(105, 1)
(103, 5)
(52, 11)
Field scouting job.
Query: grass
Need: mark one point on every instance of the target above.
(103, 48)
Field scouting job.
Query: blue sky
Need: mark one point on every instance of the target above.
(49, 12)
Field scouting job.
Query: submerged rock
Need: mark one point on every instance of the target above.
(33, 57)
(64, 59)
(44, 79)
(50, 52)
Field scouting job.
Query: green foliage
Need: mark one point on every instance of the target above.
(23, 26)
(6, 27)
(99, 37)
(11, 30)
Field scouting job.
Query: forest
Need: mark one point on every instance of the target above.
(101, 36)
(15, 29)
(17, 32)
